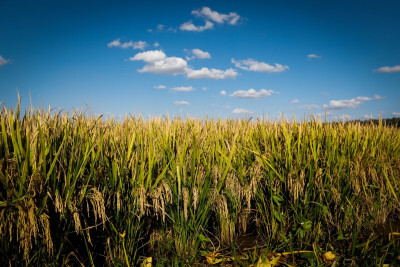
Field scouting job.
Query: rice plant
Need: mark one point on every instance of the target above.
(84, 190)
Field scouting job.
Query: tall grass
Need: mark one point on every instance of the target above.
(83, 190)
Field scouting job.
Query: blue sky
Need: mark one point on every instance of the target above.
(203, 58)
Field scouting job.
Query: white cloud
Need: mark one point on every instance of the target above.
(135, 45)
(159, 63)
(162, 28)
(242, 111)
(310, 106)
(252, 65)
(344, 117)
(200, 54)
(350, 103)
(232, 18)
(3, 61)
(397, 114)
(196, 53)
(251, 93)
(182, 103)
(215, 74)
(150, 56)
(139, 45)
(159, 86)
(313, 56)
(388, 69)
(204, 88)
(367, 117)
(183, 89)
(295, 101)
(115, 43)
(169, 65)
(223, 92)
(156, 44)
(189, 26)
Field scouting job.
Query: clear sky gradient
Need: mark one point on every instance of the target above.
(203, 58)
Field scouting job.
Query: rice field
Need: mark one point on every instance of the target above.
(83, 190)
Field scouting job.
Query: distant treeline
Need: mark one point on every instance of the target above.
(388, 122)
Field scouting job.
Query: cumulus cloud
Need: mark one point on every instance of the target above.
(149, 56)
(196, 53)
(253, 94)
(223, 92)
(206, 12)
(183, 89)
(3, 61)
(157, 62)
(397, 114)
(310, 56)
(214, 74)
(182, 103)
(349, 103)
(242, 111)
(189, 26)
(135, 45)
(159, 86)
(388, 69)
(252, 65)
(200, 54)
(310, 106)
(295, 101)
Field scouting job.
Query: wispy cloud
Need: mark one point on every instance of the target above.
(253, 94)
(367, 117)
(223, 92)
(349, 103)
(157, 62)
(388, 69)
(295, 101)
(206, 12)
(344, 117)
(242, 111)
(3, 61)
(252, 65)
(159, 86)
(156, 44)
(396, 114)
(163, 28)
(183, 89)
(189, 26)
(214, 74)
(310, 56)
(310, 106)
(135, 45)
(181, 103)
